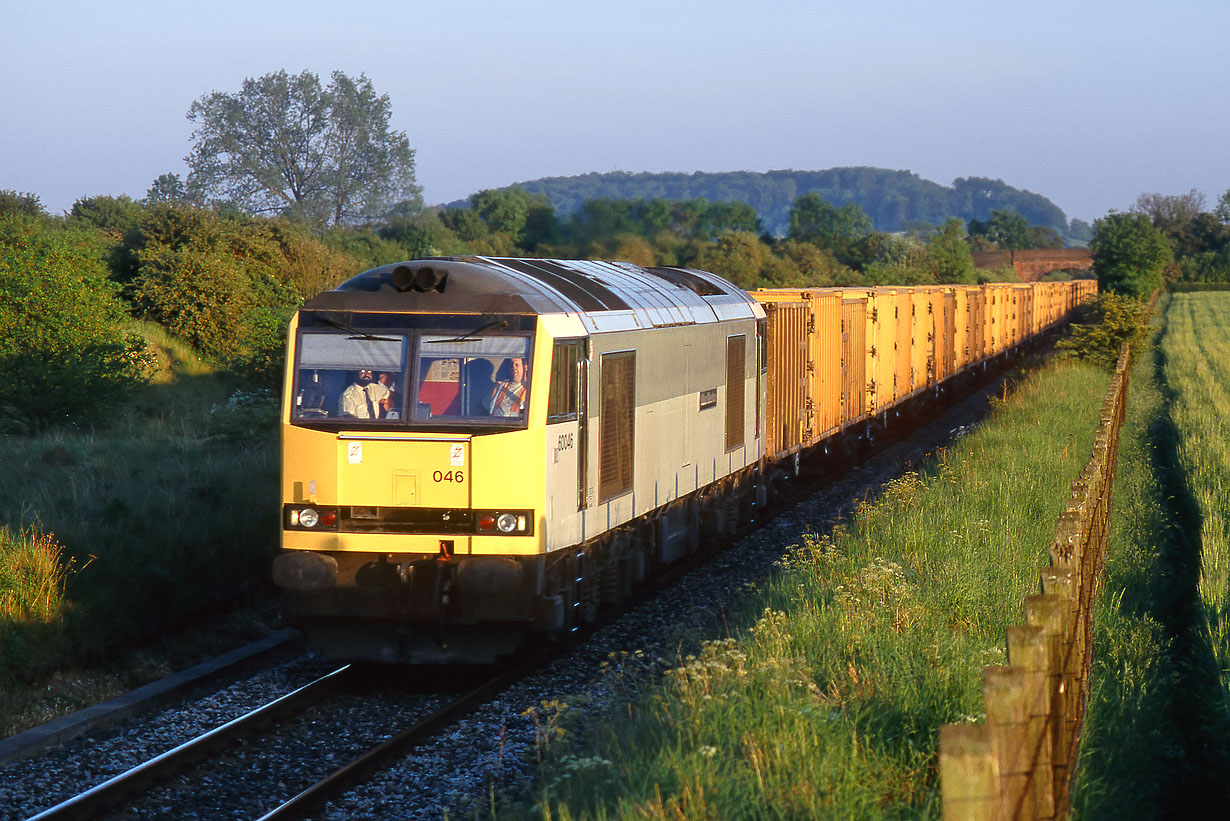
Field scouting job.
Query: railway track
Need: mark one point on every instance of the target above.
(129, 787)
(140, 778)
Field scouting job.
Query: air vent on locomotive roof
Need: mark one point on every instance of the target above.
(422, 278)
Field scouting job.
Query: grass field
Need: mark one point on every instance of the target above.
(1154, 738)
(826, 699)
(1196, 352)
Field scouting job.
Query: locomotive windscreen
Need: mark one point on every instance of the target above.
(412, 378)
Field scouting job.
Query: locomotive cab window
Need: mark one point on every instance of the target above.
(565, 366)
(472, 377)
(355, 377)
(411, 378)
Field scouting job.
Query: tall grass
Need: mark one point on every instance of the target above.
(827, 697)
(32, 603)
(1196, 350)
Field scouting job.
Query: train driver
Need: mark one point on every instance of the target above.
(508, 397)
(356, 402)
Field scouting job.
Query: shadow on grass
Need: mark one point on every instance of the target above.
(1201, 712)
(1155, 736)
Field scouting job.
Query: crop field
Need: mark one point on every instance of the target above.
(1196, 351)
(1158, 715)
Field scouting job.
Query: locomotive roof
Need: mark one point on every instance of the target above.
(608, 296)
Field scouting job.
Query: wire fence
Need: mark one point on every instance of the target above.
(1019, 762)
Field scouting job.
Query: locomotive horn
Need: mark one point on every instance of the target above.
(422, 279)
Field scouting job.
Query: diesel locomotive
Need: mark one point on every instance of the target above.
(475, 449)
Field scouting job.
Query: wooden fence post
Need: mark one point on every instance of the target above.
(1047, 612)
(1029, 650)
(969, 780)
(1003, 690)
(1020, 762)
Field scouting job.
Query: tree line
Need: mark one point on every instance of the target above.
(1164, 240)
(895, 201)
(295, 185)
(227, 281)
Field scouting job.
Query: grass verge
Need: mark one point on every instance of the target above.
(827, 697)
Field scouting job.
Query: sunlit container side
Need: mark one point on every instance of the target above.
(788, 415)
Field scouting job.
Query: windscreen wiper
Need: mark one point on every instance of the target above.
(355, 333)
(470, 337)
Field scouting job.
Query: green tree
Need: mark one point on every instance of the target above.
(1114, 319)
(947, 257)
(807, 265)
(14, 202)
(814, 220)
(739, 256)
(1006, 228)
(167, 188)
(1129, 253)
(464, 222)
(1171, 213)
(111, 215)
(504, 210)
(207, 277)
(113, 221)
(284, 144)
(1043, 236)
(424, 233)
(1080, 232)
(63, 357)
(1222, 211)
(846, 231)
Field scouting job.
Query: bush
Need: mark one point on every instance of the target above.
(228, 284)
(62, 355)
(1115, 319)
(32, 604)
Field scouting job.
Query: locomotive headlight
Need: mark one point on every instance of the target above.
(311, 518)
(504, 522)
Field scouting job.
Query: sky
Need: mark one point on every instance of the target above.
(1087, 103)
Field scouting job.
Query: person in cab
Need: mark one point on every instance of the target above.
(509, 396)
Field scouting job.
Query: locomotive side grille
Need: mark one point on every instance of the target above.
(735, 366)
(617, 430)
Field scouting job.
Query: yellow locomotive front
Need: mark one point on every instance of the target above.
(478, 448)
(412, 480)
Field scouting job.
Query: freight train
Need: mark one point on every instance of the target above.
(479, 449)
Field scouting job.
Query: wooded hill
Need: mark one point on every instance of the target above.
(892, 199)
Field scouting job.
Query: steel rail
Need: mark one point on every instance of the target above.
(141, 777)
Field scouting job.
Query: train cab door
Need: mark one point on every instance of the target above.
(566, 443)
